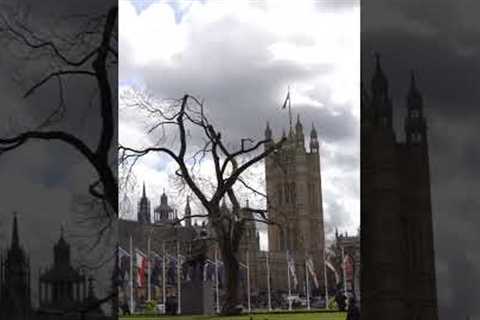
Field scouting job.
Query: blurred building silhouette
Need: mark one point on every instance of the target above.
(15, 295)
(398, 272)
(63, 289)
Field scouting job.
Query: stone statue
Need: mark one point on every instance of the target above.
(196, 261)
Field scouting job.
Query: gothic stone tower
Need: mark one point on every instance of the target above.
(294, 192)
(143, 214)
(164, 213)
(398, 274)
(15, 301)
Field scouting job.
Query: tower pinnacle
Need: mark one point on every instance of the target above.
(15, 239)
(379, 80)
(415, 123)
(268, 132)
(314, 145)
(188, 213)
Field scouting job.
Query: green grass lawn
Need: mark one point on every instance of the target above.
(266, 316)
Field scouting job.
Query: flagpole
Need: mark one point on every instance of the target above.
(325, 281)
(179, 293)
(164, 298)
(290, 108)
(268, 283)
(131, 275)
(248, 282)
(216, 280)
(307, 285)
(149, 288)
(344, 274)
(288, 281)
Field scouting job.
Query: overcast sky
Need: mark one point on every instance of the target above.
(241, 58)
(439, 39)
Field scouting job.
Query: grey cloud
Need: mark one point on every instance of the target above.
(229, 65)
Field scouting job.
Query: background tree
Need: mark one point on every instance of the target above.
(81, 47)
(196, 145)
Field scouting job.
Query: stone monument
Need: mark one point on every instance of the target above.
(197, 293)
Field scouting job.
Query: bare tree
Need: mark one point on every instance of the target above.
(196, 143)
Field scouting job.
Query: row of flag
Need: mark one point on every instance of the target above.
(347, 264)
(309, 266)
(141, 264)
(156, 268)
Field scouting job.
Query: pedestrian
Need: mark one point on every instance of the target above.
(340, 299)
(353, 312)
(125, 309)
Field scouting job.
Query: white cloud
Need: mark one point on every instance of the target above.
(241, 57)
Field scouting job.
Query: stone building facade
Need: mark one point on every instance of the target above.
(398, 270)
(294, 190)
(293, 186)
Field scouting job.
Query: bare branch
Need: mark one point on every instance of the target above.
(57, 74)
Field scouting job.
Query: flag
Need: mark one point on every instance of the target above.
(221, 271)
(210, 270)
(123, 265)
(311, 270)
(331, 267)
(291, 266)
(141, 261)
(287, 99)
(205, 270)
(348, 265)
(171, 270)
(156, 269)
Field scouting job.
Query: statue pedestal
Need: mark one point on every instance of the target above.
(198, 297)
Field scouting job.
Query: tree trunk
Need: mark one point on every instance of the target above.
(232, 281)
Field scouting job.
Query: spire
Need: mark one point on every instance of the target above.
(377, 62)
(61, 230)
(268, 132)
(298, 126)
(414, 98)
(313, 132)
(314, 146)
(15, 239)
(379, 81)
(163, 198)
(415, 123)
(188, 213)
(413, 85)
(144, 194)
